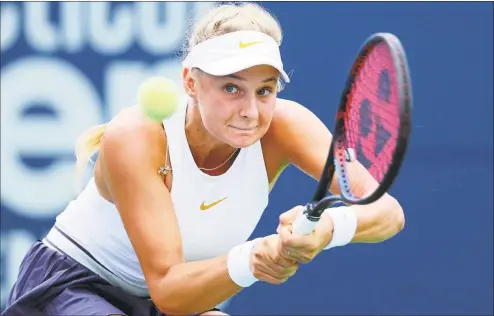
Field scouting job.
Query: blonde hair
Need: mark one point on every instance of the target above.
(224, 18)
(86, 145)
(227, 18)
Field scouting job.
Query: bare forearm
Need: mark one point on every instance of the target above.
(378, 221)
(194, 287)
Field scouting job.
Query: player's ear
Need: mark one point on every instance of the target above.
(189, 82)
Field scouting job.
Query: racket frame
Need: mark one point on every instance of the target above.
(320, 201)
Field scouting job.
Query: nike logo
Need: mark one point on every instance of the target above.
(245, 45)
(204, 207)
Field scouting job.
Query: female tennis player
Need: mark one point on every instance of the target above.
(169, 210)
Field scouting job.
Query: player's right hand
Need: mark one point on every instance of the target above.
(268, 265)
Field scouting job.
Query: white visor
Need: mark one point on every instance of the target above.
(236, 51)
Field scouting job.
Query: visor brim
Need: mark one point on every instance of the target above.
(232, 65)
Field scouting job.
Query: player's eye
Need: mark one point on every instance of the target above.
(265, 91)
(230, 88)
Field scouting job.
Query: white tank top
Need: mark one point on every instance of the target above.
(214, 213)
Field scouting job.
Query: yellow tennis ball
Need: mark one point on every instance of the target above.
(158, 98)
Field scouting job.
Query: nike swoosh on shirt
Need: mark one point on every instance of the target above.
(204, 207)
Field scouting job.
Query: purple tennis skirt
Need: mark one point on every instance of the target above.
(51, 283)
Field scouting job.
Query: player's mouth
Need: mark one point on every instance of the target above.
(244, 129)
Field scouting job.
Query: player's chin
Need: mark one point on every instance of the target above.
(242, 138)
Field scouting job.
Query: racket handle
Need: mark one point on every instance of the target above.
(302, 225)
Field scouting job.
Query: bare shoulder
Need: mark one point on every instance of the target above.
(296, 137)
(130, 133)
(131, 125)
(131, 147)
(293, 125)
(287, 111)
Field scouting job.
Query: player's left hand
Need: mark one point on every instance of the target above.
(303, 248)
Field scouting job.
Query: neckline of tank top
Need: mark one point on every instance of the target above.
(190, 159)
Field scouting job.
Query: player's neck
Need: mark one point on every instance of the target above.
(207, 150)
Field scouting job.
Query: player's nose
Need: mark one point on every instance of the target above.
(249, 108)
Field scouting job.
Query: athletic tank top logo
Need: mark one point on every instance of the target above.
(204, 207)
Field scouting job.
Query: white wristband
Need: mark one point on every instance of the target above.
(344, 226)
(239, 264)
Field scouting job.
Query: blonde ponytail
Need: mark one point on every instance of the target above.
(86, 145)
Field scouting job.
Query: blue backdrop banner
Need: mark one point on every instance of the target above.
(66, 66)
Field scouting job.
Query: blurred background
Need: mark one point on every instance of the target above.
(67, 66)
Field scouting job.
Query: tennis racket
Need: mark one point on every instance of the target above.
(372, 127)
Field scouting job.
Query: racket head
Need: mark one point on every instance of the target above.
(373, 123)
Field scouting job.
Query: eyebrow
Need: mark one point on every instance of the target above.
(243, 79)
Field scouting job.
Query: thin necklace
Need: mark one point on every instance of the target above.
(211, 169)
(164, 170)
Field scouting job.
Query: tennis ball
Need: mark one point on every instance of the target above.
(158, 98)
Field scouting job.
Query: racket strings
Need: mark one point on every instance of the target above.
(372, 116)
